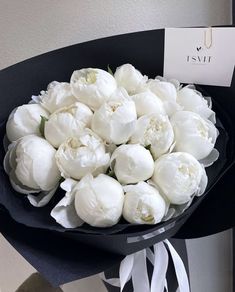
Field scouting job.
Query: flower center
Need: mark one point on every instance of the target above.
(89, 78)
(154, 129)
(114, 106)
(74, 143)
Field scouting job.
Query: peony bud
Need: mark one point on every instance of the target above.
(132, 163)
(193, 134)
(99, 201)
(31, 164)
(192, 100)
(79, 156)
(179, 175)
(143, 204)
(166, 91)
(58, 95)
(129, 78)
(25, 120)
(115, 120)
(92, 86)
(67, 122)
(154, 131)
(147, 102)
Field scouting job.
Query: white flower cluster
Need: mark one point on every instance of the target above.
(124, 145)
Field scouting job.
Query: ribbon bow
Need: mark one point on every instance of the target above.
(134, 267)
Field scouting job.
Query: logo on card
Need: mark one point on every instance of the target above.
(200, 57)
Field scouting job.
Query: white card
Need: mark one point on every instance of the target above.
(200, 55)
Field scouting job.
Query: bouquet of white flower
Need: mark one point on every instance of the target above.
(117, 162)
(122, 143)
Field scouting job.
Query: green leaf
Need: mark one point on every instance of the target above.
(148, 147)
(110, 70)
(110, 172)
(42, 125)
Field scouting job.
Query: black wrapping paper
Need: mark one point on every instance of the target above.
(58, 260)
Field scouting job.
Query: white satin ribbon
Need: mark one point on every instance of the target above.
(134, 267)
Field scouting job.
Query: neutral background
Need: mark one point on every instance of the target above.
(31, 27)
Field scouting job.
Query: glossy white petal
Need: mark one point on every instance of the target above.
(147, 102)
(129, 78)
(79, 156)
(132, 163)
(154, 131)
(99, 201)
(115, 120)
(193, 134)
(25, 120)
(179, 176)
(58, 95)
(92, 86)
(143, 204)
(67, 122)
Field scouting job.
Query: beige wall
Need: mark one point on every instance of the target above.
(31, 27)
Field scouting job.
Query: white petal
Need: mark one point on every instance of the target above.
(92, 86)
(68, 184)
(65, 213)
(42, 199)
(129, 78)
(99, 200)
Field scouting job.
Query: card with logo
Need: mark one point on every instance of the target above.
(200, 55)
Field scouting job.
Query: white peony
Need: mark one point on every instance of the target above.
(67, 122)
(30, 163)
(147, 102)
(154, 131)
(79, 156)
(132, 163)
(58, 95)
(193, 134)
(179, 176)
(92, 86)
(129, 78)
(143, 204)
(25, 120)
(192, 100)
(115, 120)
(167, 92)
(99, 201)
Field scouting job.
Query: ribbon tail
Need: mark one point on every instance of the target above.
(125, 270)
(114, 281)
(160, 268)
(180, 270)
(140, 278)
